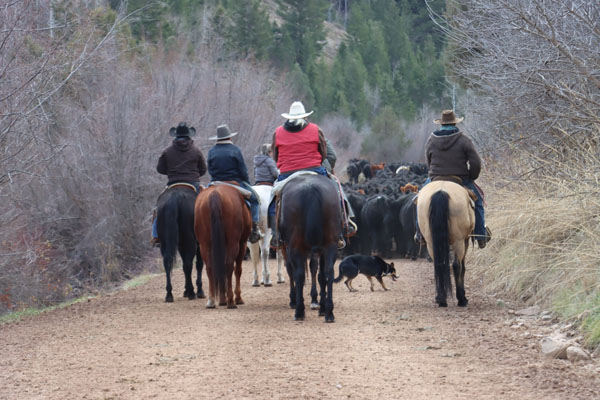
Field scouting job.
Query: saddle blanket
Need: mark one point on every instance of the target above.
(246, 193)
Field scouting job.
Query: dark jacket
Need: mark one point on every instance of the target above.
(182, 161)
(447, 153)
(226, 163)
(330, 160)
(265, 169)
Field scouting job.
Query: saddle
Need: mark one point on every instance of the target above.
(246, 193)
(180, 184)
(456, 179)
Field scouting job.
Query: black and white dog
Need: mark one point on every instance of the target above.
(370, 266)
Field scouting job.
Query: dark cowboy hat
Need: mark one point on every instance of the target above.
(182, 130)
(448, 118)
(223, 133)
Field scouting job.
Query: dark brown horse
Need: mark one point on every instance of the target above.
(222, 225)
(310, 226)
(175, 223)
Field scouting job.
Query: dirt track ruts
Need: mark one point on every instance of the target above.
(383, 345)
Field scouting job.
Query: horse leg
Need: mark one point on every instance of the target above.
(264, 255)
(238, 274)
(329, 256)
(314, 267)
(199, 266)
(254, 250)
(210, 303)
(279, 256)
(168, 264)
(322, 287)
(187, 257)
(458, 267)
(298, 261)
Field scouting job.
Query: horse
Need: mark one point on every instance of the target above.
(222, 224)
(446, 219)
(175, 224)
(309, 220)
(259, 251)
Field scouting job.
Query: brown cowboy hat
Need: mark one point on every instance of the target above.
(448, 118)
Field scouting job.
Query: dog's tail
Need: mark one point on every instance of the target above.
(340, 275)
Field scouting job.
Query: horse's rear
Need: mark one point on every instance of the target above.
(175, 226)
(310, 224)
(222, 224)
(446, 219)
(259, 251)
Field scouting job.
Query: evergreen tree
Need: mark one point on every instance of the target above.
(250, 30)
(303, 22)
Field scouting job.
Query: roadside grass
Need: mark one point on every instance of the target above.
(32, 311)
(545, 247)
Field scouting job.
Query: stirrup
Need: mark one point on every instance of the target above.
(341, 243)
(351, 229)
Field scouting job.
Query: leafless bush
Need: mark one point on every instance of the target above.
(537, 65)
(77, 213)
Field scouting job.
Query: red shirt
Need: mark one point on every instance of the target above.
(298, 150)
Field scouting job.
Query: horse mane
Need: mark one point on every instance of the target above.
(217, 235)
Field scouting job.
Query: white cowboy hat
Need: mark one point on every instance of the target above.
(297, 111)
(223, 133)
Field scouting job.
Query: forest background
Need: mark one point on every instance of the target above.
(89, 89)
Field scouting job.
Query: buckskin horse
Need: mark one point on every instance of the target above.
(310, 226)
(446, 219)
(175, 224)
(222, 224)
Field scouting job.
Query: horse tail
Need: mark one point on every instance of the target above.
(168, 223)
(439, 214)
(217, 242)
(313, 216)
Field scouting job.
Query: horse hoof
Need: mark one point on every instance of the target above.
(191, 297)
(298, 318)
(314, 306)
(292, 305)
(321, 313)
(463, 303)
(200, 295)
(443, 304)
(231, 306)
(268, 284)
(281, 280)
(222, 303)
(255, 284)
(169, 298)
(239, 301)
(210, 304)
(329, 318)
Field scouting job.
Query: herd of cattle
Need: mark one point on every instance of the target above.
(382, 197)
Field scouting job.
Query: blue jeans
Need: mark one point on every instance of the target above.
(254, 206)
(154, 223)
(479, 231)
(319, 170)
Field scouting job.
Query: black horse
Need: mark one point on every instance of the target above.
(175, 223)
(310, 226)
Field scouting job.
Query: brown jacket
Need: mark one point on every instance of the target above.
(182, 161)
(452, 153)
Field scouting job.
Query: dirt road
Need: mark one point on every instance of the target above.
(383, 345)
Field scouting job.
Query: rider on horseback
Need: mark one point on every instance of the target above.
(451, 154)
(299, 145)
(226, 163)
(182, 162)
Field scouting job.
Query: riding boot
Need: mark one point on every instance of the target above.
(255, 234)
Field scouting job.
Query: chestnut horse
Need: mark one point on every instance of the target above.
(222, 224)
(310, 226)
(175, 224)
(446, 219)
